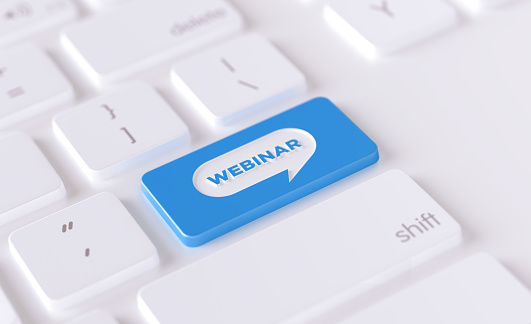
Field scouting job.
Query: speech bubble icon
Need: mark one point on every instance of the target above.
(284, 149)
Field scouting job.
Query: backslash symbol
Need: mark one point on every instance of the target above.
(233, 70)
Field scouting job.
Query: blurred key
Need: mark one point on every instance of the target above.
(20, 19)
(148, 32)
(94, 317)
(30, 82)
(105, 4)
(7, 313)
(27, 180)
(385, 26)
(475, 290)
(480, 5)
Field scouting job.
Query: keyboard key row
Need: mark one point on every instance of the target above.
(246, 73)
(105, 135)
(77, 255)
(311, 261)
(396, 226)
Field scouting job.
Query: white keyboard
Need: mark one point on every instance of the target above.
(166, 161)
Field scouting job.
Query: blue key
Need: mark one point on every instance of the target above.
(240, 178)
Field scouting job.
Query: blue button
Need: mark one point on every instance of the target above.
(240, 178)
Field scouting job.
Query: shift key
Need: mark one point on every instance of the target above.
(311, 262)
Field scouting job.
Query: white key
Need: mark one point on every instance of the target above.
(148, 32)
(82, 250)
(117, 131)
(385, 26)
(94, 317)
(104, 4)
(476, 290)
(311, 261)
(20, 19)
(28, 181)
(480, 5)
(7, 313)
(29, 83)
(243, 73)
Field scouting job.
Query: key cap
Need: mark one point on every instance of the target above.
(475, 290)
(7, 313)
(28, 180)
(312, 261)
(29, 83)
(82, 250)
(247, 72)
(98, 316)
(225, 185)
(20, 19)
(115, 132)
(386, 26)
(148, 32)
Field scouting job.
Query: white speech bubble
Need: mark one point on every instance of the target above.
(284, 149)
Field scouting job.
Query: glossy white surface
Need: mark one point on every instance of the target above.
(475, 290)
(7, 313)
(21, 19)
(312, 261)
(109, 134)
(30, 82)
(451, 111)
(237, 77)
(28, 180)
(477, 6)
(382, 27)
(150, 31)
(82, 250)
(103, 4)
(95, 317)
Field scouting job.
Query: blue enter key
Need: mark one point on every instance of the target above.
(240, 178)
